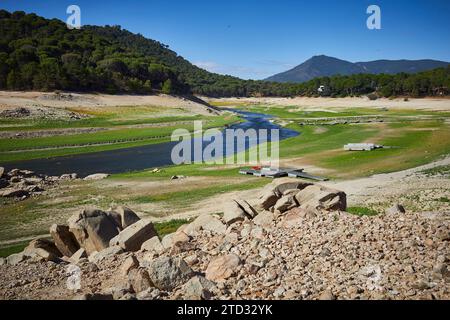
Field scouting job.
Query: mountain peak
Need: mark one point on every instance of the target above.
(325, 66)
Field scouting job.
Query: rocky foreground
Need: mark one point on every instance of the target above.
(295, 242)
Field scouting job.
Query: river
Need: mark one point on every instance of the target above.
(136, 158)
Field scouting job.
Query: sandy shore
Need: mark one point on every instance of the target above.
(10, 99)
(440, 104)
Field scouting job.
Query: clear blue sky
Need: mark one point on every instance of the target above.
(257, 38)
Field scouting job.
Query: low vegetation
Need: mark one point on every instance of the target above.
(362, 211)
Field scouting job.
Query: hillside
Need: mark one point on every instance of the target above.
(42, 54)
(324, 66)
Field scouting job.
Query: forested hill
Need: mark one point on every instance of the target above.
(42, 54)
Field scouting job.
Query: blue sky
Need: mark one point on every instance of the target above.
(258, 38)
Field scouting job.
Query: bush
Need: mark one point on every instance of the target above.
(372, 96)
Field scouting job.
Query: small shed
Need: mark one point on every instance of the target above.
(361, 146)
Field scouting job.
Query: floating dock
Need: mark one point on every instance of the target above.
(273, 173)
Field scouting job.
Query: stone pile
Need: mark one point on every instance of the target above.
(295, 242)
(21, 184)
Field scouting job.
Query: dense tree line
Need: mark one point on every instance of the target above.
(42, 54)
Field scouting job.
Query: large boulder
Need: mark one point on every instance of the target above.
(167, 273)
(247, 207)
(2, 172)
(279, 186)
(132, 237)
(93, 229)
(172, 239)
(285, 203)
(205, 222)
(233, 212)
(43, 248)
(222, 268)
(16, 258)
(267, 199)
(124, 216)
(316, 197)
(64, 239)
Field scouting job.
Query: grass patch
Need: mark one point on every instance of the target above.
(167, 227)
(362, 211)
(7, 251)
(443, 199)
(187, 197)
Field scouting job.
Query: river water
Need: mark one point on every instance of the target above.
(137, 158)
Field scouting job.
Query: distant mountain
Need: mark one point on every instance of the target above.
(322, 66)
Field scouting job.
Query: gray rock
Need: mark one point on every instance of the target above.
(99, 256)
(44, 249)
(16, 258)
(320, 197)
(153, 245)
(233, 213)
(167, 273)
(264, 219)
(93, 229)
(130, 263)
(149, 294)
(267, 199)
(205, 222)
(285, 203)
(396, 209)
(198, 288)
(249, 210)
(64, 240)
(124, 216)
(139, 279)
(77, 256)
(279, 186)
(132, 237)
(172, 239)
